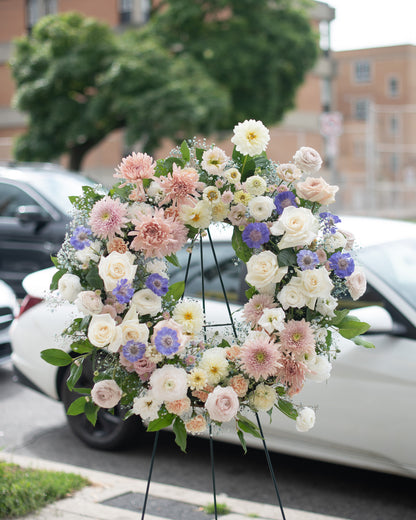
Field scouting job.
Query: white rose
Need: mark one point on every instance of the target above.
(272, 319)
(288, 172)
(133, 330)
(320, 368)
(169, 383)
(308, 160)
(327, 306)
(292, 295)
(315, 283)
(298, 226)
(261, 208)
(263, 271)
(102, 330)
(147, 302)
(89, 303)
(335, 241)
(316, 190)
(69, 286)
(116, 266)
(356, 283)
(157, 266)
(88, 254)
(106, 393)
(305, 419)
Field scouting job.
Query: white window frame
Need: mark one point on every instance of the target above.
(362, 72)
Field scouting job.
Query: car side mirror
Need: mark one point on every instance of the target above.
(379, 319)
(33, 213)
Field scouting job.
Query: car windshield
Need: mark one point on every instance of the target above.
(393, 262)
(57, 187)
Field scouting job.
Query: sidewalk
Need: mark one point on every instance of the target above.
(112, 497)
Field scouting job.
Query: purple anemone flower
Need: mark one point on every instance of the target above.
(81, 238)
(124, 291)
(307, 259)
(158, 284)
(342, 264)
(133, 350)
(166, 341)
(283, 200)
(256, 234)
(330, 222)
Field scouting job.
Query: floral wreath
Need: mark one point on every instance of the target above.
(156, 360)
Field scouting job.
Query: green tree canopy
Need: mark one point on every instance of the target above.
(259, 50)
(78, 81)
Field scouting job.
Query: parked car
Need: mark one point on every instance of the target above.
(34, 208)
(8, 309)
(365, 411)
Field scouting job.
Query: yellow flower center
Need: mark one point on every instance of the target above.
(251, 136)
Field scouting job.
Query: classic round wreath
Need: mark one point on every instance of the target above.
(158, 361)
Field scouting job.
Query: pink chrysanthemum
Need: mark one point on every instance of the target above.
(134, 169)
(291, 374)
(158, 235)
(107, 218)
(260, 357)
(180, 186)
(297, 338)
(254, 308)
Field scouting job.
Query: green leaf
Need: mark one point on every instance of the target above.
(186, 154)
(199, 152)
(241, 249)
(56, 357)
(91, 411)
(176, 290)
(94, 279)
(249, 427)
(170, 161)
(286, 257)
(358, 340)
(224, 344)
(82, 346)
(55, 279)
(79, 390)
(54, 260)
(287, 408)
(251, 291)
(242, 440)
(339, 316)
(160, 423)
(352, 326)
(77, 407)
(180, 433)
(75, 373)
(173, 259)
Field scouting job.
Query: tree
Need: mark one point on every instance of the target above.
(78, 82)
(259, 50)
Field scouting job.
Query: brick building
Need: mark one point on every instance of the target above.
(299, 128)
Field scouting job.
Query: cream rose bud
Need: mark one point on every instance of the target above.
(308, 160)
(146, 302)
(263, 271)
(89, 303)
(335, 241)
(315, 283)
(261, 208)
(305, 419)
(69, 286)
(298, 226)
(102, 330)
(292, 295)
(263, 397)
(133, 330)
(356, 283)
(116, 266)
(106, 393)
(316, 190)
(222, 404)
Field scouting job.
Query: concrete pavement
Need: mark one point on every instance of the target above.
(113, 497)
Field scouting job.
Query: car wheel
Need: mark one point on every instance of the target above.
(111, 432)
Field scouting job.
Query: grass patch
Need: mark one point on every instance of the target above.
(24, 490)
(222, 509)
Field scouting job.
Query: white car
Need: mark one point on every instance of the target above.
(366, 411)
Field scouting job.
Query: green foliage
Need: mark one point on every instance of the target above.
(56, 357)
(219, 507)
(287, 408)
(24, 491)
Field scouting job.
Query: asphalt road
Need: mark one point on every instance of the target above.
(33, 425)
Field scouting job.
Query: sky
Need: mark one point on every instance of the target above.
(361, 24)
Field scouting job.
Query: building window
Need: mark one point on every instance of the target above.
(362, 71)
(394, 125)
(394, 163)
(361, 109)
(35, 9)
(393, 87)
(126, 11)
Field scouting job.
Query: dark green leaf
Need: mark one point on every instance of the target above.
(240, 247)
(55, 279)
(287, 408)
(82, 346)
(180, 433)
(199, 152)
(86, 391)
(286, 257)
(75, 373)
(170, 161)
(94, 279)
(176, 290)
(173, 259)
(77, 407)
(242, 440)
(249, 427)
(186, 155)
(160, 423)
(91, 411)
(56, 357)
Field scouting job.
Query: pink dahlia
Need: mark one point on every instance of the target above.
(158, 235)
(291, 374)
(297, 338)
(180, 186)
(260, 357)
(134, 169)
(254, 308)
(108, 216)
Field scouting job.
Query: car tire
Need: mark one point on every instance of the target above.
(111, 431)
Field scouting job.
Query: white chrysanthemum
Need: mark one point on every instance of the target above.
(250, 137)
(214, 160)
(157, 266)
(147, 407)
(215, 365)
(272, 319)
(198, 216)
(189, 314)
(219, 211)
(263, 397)
(211, 194)
(197, 379)
(261, 208)
(255, 185)
(305, 419)
(232, 175)
(169, 383)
